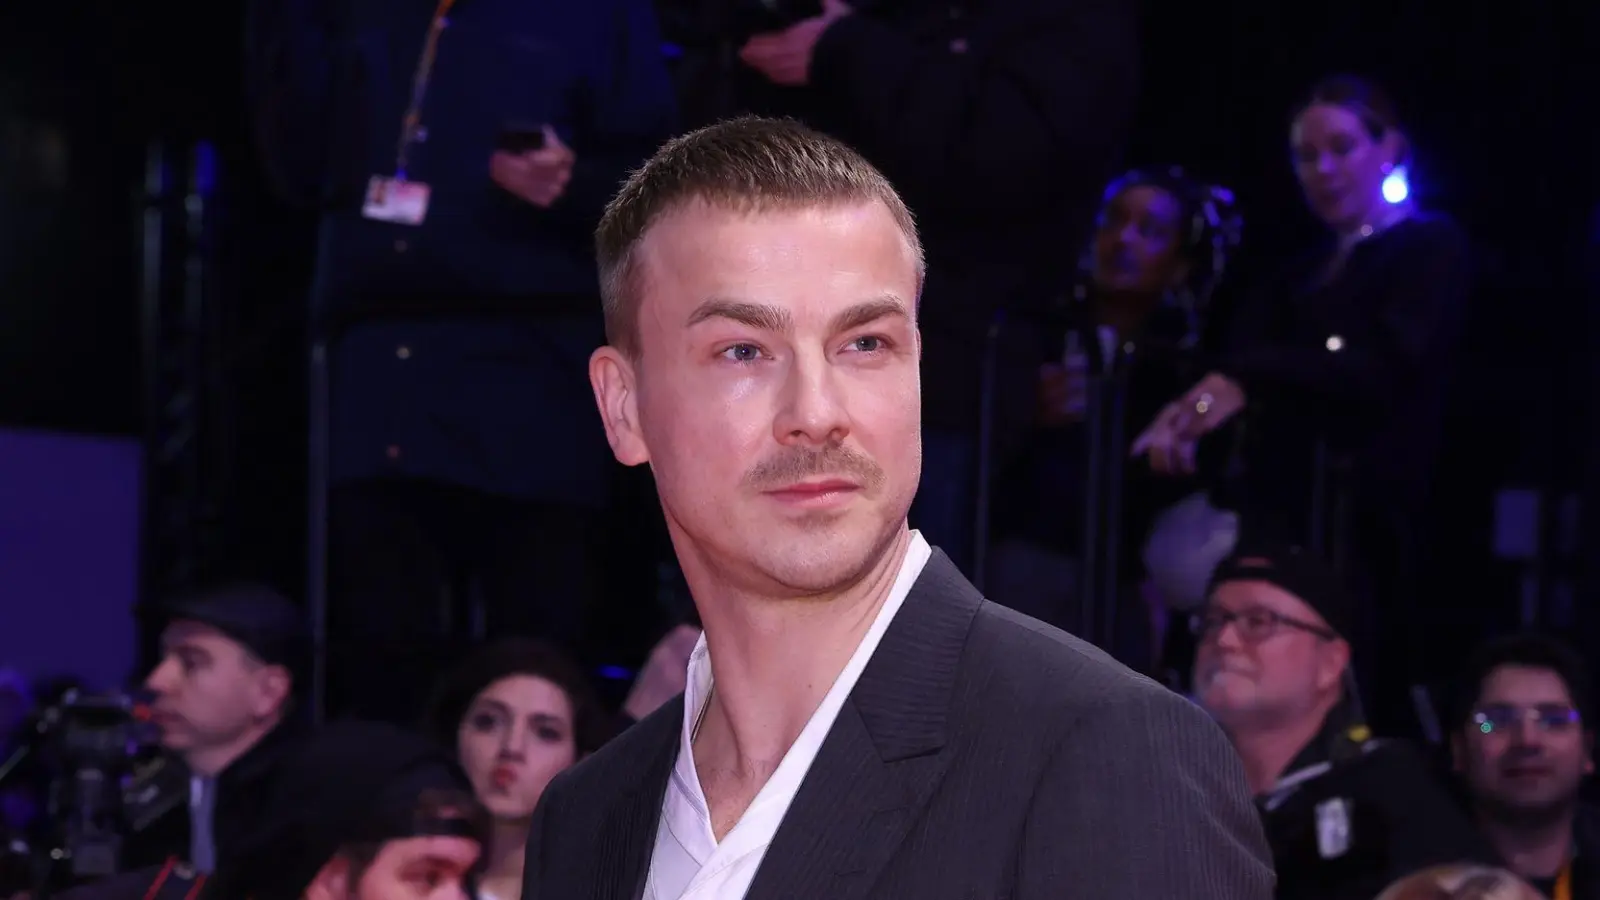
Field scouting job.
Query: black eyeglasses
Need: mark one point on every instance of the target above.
(1254, 625)
(1552, 717)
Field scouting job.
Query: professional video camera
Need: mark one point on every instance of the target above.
(85, 748)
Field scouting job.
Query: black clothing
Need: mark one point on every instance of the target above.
(1347, 377)
(351, 782)
(1585, 860)
(1361, 362)
(1352, 815)
(425, 570)
(1041, 496)
(243, 790)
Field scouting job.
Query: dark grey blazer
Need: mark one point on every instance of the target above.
(982, 756)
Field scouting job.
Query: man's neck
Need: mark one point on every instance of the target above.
(502, 875)
(211, 762)
(774, 660)
(1267, 751)
(1531, 850)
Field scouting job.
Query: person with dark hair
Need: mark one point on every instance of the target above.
(1339, 370)
(1346, 813)
(1161, 244)
(1522, 740)
(363, 812)
(234, 661)
(516, 713)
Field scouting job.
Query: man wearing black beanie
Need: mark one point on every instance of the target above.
(1345, 813)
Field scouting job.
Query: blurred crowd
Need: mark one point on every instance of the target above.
(1225, 483)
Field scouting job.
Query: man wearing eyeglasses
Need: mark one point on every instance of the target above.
(1345, 814)
(1523, 745)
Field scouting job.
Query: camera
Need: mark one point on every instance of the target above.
(84, 747)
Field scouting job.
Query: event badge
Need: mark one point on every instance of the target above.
(396, 200)
(1333, 828)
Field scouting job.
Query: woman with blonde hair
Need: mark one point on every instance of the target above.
(1462, 881)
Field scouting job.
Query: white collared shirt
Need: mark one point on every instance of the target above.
(688, 863)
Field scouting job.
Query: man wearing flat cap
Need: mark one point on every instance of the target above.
(362, 811)
(224, 690)
(1345, 813)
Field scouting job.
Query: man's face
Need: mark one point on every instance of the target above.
(420, 868)
(1524, 752)
(1265, 656)
(776, 395)
(208, 689)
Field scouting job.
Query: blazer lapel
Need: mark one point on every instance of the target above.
(627, 839)
(882, 759)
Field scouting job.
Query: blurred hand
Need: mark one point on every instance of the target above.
(539, 176)
(784, 57)
(1171, 440)
(1164, 444)
(1063, 391)
(665, 672)
(1215, 400)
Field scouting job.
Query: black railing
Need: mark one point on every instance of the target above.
(187, 464)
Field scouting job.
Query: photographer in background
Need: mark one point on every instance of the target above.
(998, 121)
(224, 703)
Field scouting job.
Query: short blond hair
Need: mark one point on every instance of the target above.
(747, 164)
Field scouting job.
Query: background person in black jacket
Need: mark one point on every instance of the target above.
(1523, 742)
(225, 703)
(1338, 372)
(998, 122)
(1346, 814)
(468, 471)
(1161, 244)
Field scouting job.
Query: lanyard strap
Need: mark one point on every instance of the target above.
(1563, 889)
(412, 121)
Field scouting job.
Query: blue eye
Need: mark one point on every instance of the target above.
(743, 353)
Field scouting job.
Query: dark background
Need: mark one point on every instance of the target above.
(1500, 99)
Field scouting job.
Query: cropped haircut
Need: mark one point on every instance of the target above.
(1527, 650)
(744, 165)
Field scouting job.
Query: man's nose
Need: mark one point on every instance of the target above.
(160, 679)
(812, 411)
(1226, 636)
(1526, 733)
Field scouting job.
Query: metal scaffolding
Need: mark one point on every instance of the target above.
(186, 425)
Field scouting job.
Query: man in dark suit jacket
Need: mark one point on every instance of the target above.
(858, 721)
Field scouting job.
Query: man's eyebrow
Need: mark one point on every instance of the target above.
(869, 311)
(770, 318)
(755, 315)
